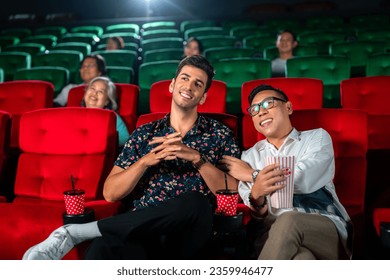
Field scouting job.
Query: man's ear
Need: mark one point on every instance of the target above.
(289, 107)
(171, 85)
(203, 99)
(295, 44)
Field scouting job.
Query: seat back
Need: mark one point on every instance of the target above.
(122, 27)
(330, 69)
(84, 48)
(31, 48)
(160, 33)
(62, 58)
(215, 41)
(10, 62)
(163, 54)
(161, 43)
(149, 73)
(272, 52)
(58, 76)
(370, 94)
(348, 129)
(358, 53)
(161, 98)
(205, 31)
(123, 58)
(57, 31)
(234, 72)
(47, 40)
(59, 142)
(95, 29)
(127, 94)
(5, 132)
(321, 39)
(229, 120)
(304, 93)
(215, 54)
(89, 38)
(18, 97)
(378, 65)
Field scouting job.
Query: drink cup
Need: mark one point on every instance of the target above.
(227, 202)
(74, 201)
(283, 198)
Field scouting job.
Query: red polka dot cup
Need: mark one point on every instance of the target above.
(227, 201)
(74, 201)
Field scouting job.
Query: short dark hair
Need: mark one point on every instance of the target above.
(100, 62)
(118, 41)
(264, 87)
(200, 62)
(286, 31)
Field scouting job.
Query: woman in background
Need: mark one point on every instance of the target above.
(115, 43)
(101, 93)
(192, 47)
(91, 67)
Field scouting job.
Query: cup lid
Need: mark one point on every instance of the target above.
(74, 192)
(227, 192)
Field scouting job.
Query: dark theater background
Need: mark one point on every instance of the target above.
(354, 32)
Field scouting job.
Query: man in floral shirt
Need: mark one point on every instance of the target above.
(168, 168)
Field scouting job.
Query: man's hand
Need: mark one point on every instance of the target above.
(237, 168)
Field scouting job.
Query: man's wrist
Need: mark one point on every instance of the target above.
(256, 204)
(198, 164)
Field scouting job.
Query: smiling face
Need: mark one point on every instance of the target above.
(96, 95)
(273, 123)
(286, 43)
(188, 89)
(89, 70)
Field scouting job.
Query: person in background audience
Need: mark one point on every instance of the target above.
(101, 93)
(167, 172)
(91, 67)
(285, 43)
(318, 227)
(115, 43)
(192, 47)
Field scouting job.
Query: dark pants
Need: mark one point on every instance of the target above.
(175, 229)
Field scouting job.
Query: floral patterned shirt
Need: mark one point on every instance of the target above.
(171, 178)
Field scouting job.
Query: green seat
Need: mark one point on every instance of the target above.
(149, 73)
(128, 46)
(88, 38)
(163, 54)
(58, 76)
(17, 32)
(47, 40)
(357, 52)
(245, 31)
(1, 75)
(84, 48)
(121, 74)
(321, 22)
(31, 48)
(119, 57)
(272, 52)
(6, 40)
(231, 23)
(278, 24)
(95, 29)
(162, 24)
(234, 72)
(378, 65)
(188, 24)
(160, 33)
(377, 34)
(164, 43)
(122, 28)
(259, 42)
(321, 39)
(330, 69)
(214, 41)
(57, 31)
(369, 20)
(215, 54)
(128, 37)
(205, 31)
(68, 59)
(10, 62)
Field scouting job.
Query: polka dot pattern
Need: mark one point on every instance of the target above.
(227, 204)
(74, 204)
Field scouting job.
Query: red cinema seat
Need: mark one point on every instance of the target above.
(18, 97)
(161, 98)
(5, 131)
(370, 94)
(57, 143)
(128, 96)
(348, 131)
(304, 93)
